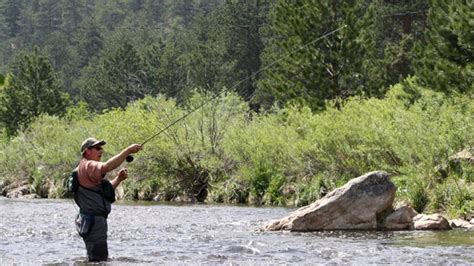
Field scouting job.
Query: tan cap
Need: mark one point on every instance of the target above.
(91, 142)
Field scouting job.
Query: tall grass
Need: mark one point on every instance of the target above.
(224, 152)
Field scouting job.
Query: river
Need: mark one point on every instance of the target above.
(42, 232)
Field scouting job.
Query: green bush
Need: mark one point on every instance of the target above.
(274, 192)
(419, 197)
(289, 155)
(232, 190)
(311, 190)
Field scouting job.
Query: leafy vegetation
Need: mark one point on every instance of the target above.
(446, 62)
(286, 99)
(32, 89)
(291, 156)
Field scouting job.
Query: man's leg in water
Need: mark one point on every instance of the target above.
(96, 240)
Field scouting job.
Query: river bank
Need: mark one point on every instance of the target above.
(289, 157)
(390, 216)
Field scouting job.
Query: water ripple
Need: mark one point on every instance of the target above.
(40, 231)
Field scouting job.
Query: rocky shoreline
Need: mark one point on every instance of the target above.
(18, 190)
(364, 203)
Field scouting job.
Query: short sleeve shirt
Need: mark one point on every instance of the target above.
(89, 173)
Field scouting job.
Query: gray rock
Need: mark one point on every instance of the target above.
(18, 192)
(354, 206)
(464, 155)
(460, 223)
(400, 219)
(430, 222)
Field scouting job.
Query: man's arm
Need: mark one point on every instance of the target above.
(118, 159)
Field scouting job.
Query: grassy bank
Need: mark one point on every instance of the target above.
(291, 156)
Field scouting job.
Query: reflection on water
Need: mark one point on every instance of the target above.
(42, 232)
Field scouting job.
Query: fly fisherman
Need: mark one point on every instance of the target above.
(95, 194)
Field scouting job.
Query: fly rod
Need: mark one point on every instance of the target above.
(130, 158)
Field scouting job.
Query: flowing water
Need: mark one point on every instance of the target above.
(43, 232)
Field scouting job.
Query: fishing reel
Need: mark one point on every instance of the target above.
(129, 159)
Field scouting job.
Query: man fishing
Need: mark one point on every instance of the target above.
(95, 194)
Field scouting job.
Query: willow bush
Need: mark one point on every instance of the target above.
(223, 152)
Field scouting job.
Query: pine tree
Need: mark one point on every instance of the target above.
(155, 11)
(446, 55)
(4, 46)
(25, 37)
(112, 14)
(63, 58)
(397, 26)
(174, 61)
(152, 65)
(206, 7)
(206, 65)
(89, 40)
(183, 11)
(319, 53)
(11, 11)
(137, 5)
(48, 19)
(33, 89)
(116, 79)
(73, 15)
(243, 21)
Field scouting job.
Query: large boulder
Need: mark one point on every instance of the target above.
(354, 206)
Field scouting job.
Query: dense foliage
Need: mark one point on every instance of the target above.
(446, 56)
(291, 98)
(32, 89)
(323, 67)
(109, 53)
(226, 153)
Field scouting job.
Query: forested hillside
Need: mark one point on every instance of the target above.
(109, 53)
(304, 92)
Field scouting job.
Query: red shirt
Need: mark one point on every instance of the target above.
(89, 173)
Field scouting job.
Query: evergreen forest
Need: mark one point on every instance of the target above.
(269, 102)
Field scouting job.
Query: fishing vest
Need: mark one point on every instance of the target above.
(95, 200)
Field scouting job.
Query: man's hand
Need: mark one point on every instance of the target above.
(118, 159)
(134, 148)
(122, 175)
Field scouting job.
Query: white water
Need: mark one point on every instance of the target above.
(42, 232)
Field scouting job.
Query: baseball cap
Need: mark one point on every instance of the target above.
(91, 142)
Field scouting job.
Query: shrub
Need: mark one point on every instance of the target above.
(255, 158)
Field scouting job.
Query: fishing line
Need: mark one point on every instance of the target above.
(240, 82)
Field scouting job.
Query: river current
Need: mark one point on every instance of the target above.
(42, 232)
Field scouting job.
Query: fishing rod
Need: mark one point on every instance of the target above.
(130, 158)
